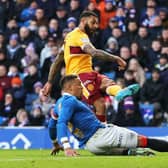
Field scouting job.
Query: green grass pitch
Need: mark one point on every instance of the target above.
(42, 159)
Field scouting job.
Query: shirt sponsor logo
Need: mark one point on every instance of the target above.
(85, 40)
(87, 82)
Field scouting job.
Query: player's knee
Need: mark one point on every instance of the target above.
(113, 90)
(99, 105)
(106, 83)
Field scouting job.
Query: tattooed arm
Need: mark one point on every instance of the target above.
(89, 49)
(55, 66)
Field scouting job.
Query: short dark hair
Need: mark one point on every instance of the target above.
(155, 70)
(87, 14)
(66, 79)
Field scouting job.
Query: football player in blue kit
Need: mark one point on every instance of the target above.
(101, 139)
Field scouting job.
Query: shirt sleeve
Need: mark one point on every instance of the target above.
(83, 40)
(52, 129)
(65, 113)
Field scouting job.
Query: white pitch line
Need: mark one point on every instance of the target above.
(56, 158)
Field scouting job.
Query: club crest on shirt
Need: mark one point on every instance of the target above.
(90, 87)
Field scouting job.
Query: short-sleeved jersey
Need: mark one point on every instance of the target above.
(76, 60)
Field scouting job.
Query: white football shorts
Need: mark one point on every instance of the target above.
(111, 137)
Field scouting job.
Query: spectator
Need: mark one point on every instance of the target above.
(8, 108)
(148, 20)
(107, 32)
(150, 4)
(5, 81)
(13, 71)
(40, 17)
(21, 119)
(33, 28)
(54, 28)
(164, 78)
(119, 36)
(139, 54)
(138, 72)
(71, 23)
(128, 114)
(164, 37)
(14, 50)
(30, 97)
(129, 78)
(60, 41)
(37, 87)
(37, 118)
(6, 12)
(48, 6)
(125, 53)
(120, 17)
(156, 30)
(47, 63)
(163, 63)
(31, 78)
(44, 102)
(2, 42)
(4, 60)
(18, 7)
(152, 92)
(41, 39)
(112, 46)
(164, 50)
(11, 28)
(107, 11)
(28, 13)
(130, 10)
(46, 51)
(75, 9)
(126, 56)
(163, 14)
(30, 57)
(24, 36)
(61, 16)
(64, 3)
(143, 38)
(92, 7)
(154, 54)
(131, 32)
(18, 92)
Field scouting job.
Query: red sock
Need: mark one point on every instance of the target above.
(142, 141)
(102, 118)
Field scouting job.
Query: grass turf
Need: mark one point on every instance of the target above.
(42, 159)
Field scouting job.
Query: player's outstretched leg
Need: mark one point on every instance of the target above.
(156, 144)
(140, 152)
(128, 91)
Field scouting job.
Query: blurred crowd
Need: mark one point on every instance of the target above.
(32, 33)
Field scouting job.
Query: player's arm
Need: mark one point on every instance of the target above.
(90, 49)
(53, 136)
(65, 114)
(55, 66)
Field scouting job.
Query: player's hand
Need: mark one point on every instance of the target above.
(47, 89)
(70, 152)
(55, 150)
(122, 64)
